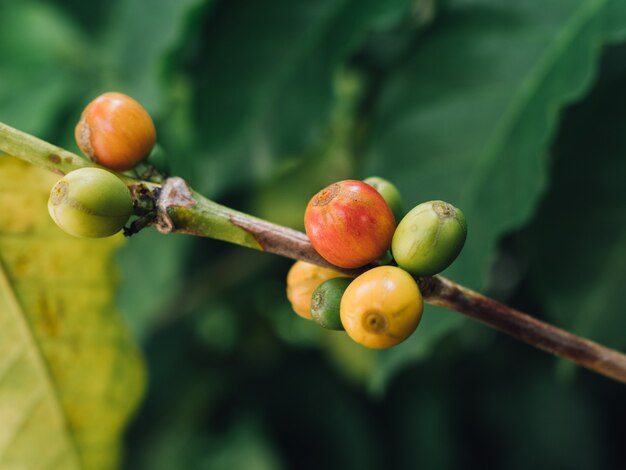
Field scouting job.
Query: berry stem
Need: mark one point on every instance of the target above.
(180, 209)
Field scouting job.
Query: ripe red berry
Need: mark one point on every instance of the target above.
(115, 131)
(349, 224)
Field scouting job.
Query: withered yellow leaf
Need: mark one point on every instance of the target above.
(70, 373)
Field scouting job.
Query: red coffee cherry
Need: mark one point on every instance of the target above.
(349, 224)
(115, 131)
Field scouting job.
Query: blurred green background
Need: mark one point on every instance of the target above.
(513, 111)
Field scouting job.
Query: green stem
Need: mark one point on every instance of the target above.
(50, 157)
(39, 152)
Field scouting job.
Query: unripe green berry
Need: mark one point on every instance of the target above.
(90, 202)
(429, 238)
(326, 301)
(390, 194)
(385, 259)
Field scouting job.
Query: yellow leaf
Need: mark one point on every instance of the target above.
(70, 373)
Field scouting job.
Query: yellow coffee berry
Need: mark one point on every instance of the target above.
(381, 307)
(302, 279)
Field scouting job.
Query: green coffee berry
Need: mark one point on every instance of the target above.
(429, 238)
(385, 259)
(390, 194)
(90, 202)
(326, 301)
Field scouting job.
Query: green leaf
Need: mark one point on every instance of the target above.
(245, 445)
(150, 282)
(468, 117)
(436, 323)
(304, 176)
(41, 54)
(70, 374)
(144, 34)
(49, 67)
(576, 244)
(264, 88)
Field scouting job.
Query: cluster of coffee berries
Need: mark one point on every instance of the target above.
(117, 133)
(352, 224)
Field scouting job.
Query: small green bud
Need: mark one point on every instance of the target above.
(90, 202)
(390, 194)
(159, 160)
(429, 238)
(326, 301)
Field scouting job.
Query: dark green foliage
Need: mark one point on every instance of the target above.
(514, 112)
